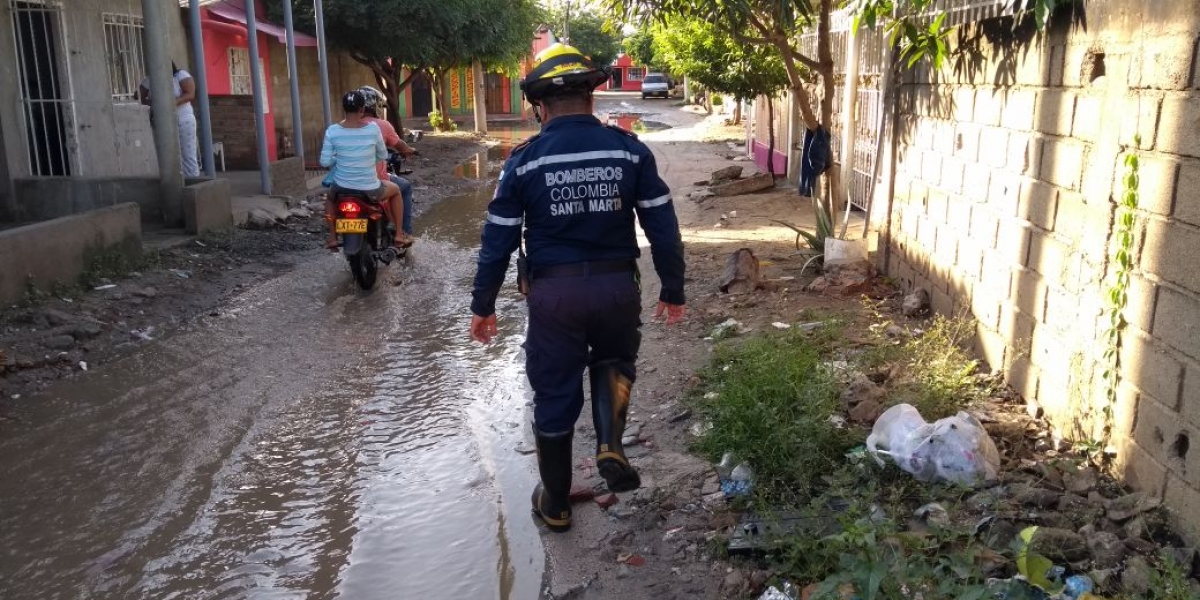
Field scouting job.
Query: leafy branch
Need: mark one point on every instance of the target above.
(1117, 296)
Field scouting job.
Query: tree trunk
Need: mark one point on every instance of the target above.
(771, 136)
(737, 112)
(825, 60)
(439, 100)
(391, 90)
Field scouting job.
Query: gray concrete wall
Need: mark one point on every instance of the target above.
(54, 197)
(1010, 164)
(207, 205)
(59, 250)
(12, 141)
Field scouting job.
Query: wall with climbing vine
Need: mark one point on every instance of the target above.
(1048, 183)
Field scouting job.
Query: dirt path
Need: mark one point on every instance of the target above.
(63, 329)
(659, 541)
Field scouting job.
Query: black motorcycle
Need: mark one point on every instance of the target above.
(365, 234)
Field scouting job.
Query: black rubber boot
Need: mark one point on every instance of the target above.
(551, 497)
(610, 406)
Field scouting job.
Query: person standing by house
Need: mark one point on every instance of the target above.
(351, 149)
(376, 101)
(575, 189)
(185, 92)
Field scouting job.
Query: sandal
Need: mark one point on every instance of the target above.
(403, 241)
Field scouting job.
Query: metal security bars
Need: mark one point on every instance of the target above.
(126, 56)
(45, 87)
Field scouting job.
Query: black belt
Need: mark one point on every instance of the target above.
(579, 269)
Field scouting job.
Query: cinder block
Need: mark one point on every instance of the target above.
(966, 140)
(1089, 117)
(1145, 124)
(1178, 126)
(1189, 404)
(207, 206)
(945, 248)
(1168, 439)
(1168, 62)
(989, 105)
(1177, 321)
(931, 167)
(1149, 367)
(1062, 312)
(1019, 110)
(1100, 168)
(1004, 190)
(1157, 177)
(970, 257)
(1062, 163)
(995, 277)
(937, 203)
(1038, 203)
(989, 345)
(952, 175)
(964, 104)
(1186, 205)
(1049, 352)
(1012, 241)
(943, 138)
(1142, 295)
(941, 302)
(1139, 469)
(1058, 55)
(993, 146)
(976, 180)
(1184, 502)
(1055, 112)
(984, 225)
(1048, 256)
(1020, 153)
(1172, 250)
(1023, 377)
(1078, 220)
(1028, 292)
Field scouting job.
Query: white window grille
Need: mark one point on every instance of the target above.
(45, 84)
(636, 74)
(126, 56)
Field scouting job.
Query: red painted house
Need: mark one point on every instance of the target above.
(626, 76)
(227, 64)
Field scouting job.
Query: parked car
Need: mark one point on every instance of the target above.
(656, 84)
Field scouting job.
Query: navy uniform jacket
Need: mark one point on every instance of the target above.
(576, 187)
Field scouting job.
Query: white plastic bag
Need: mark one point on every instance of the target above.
(955, 449)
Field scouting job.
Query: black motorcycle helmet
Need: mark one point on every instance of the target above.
(353, 101)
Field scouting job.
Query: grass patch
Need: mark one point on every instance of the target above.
(113, 263)
(769, 401)
(936, 372)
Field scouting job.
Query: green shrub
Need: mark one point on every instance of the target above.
(442, 122)
(770, 402)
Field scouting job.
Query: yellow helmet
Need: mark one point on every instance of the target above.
(561, 68)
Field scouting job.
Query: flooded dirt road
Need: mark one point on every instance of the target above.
(309, 441)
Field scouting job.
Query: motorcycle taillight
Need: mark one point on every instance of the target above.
(350, 209)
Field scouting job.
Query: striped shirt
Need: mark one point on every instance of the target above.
(352, 152)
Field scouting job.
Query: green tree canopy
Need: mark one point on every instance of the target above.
(590, 33)
(391, 36)
(715, 60)
(640, 47)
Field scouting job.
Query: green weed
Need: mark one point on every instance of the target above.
(770, 401)
(113, 263)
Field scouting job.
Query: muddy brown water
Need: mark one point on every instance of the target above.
(312, 441)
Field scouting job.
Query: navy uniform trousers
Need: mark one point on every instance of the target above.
(575, 321)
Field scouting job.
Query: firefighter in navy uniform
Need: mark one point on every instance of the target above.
(574, 189)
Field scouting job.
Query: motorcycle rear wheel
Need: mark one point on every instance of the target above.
(362, 266)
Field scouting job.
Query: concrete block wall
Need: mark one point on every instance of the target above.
(1009, 167)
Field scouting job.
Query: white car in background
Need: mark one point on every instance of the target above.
(656, 84)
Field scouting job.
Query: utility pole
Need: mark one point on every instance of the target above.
(567, 24)
(162, 105)
(480, 96)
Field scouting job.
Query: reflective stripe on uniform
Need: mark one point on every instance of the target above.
(576, 156)
(493, 219)
(651, 203)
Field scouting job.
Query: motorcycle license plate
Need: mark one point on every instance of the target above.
(350, 226)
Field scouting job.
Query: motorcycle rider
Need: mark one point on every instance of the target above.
(350, 150)
(575, 189)
(376, 101)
